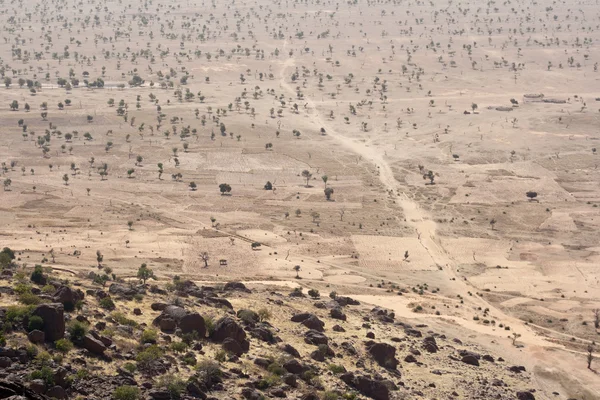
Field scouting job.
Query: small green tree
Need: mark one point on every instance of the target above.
(224, 188)
(144, 273)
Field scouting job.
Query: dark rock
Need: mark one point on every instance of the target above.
(410, 359)
(262, 362)
(370, 335)
(384, 354)
(137, 311)
(38, 386)
(5, 362)
(294, 367)
(56, 392)
(251, 394)
(290, 350)
(158, 306)
(10, 389)
(187, 321)
(263, 334)
(93, 345)
(232, 346)
(413, 332)
(365, 385)
(159, 395)
(346, 301)
(430, 345)
(310, 396)
(517, 369)
(315, 338)
(471, 360)
(337, 328)
(167, 324)
(195, 391)
(54, 320)
(278, 392)
(117, 289)
(489, 358)
(290, 380)
(525, 396)
(67, 297)
(239, 286)
(226, 327)
(36, 336)
(300, 317)
(318, 355)
(349, 348)
(336, 313)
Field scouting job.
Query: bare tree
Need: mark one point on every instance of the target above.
(205, 257)
(597, 318)
(590, 355)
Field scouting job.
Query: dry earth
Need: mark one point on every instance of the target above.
(371, 94)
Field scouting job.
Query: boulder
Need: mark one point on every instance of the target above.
(301, 317)
(67, 297)
(226, 327)
(158, 306)
(185, 320)
(118, 289)
(54, 320)
(346, 301)
(38, 386)
(167, 324)
(384, 354)
(525, 396)
(56, 392)
(336, 313)
(430, 345)
(13, 390)
(290, 350)
(239, 286)
(93, 345)
(338, 328)
(232, 346)
(315, 338)
(471, 360)
(365, 385)
(36, 336)
(294, 366)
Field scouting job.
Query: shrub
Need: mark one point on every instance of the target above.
(126, 393)
(209, 373)
(179, 347)
(16, 314)
(37, 276)
(329, 395)
(121, 319)
(210, 324)
(337, 369)
(149, 336)
(333, 295)
(190, 337)
(45, 373)
(129, 367)
(173, 384)
(48, 289)
(264, 314)
(29, 299)
(248, 316)
(77, 330)
(145, 357)
(314, 293)
(107, 303)
(82, 374)
(221, 356)
(190, 360)
(276, 369)
(63, 345)
(35, 323)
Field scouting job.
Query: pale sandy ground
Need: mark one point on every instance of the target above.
(536, 270)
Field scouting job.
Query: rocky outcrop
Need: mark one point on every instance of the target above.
(384, 354)
(185, 320)
(369, 387)
(227, 328)
(54, 320)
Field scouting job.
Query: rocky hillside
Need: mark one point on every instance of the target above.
(88, 338)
